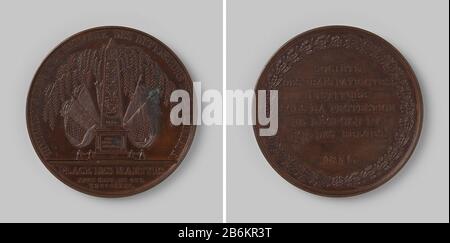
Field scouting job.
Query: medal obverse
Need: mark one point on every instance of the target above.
(98, 112)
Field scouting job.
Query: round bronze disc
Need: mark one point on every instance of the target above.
(349, 111)
(98, 112)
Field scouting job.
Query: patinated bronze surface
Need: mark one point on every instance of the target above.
(350, 111)
(98, 112)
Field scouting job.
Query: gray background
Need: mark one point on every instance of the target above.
(192, 29)
(30, 30)
(419, 29)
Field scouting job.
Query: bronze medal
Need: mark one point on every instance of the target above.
(98, 112)
(349, 111)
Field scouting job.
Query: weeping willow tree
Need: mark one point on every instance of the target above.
(112, 87)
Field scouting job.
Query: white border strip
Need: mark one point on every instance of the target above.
(224, 111)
